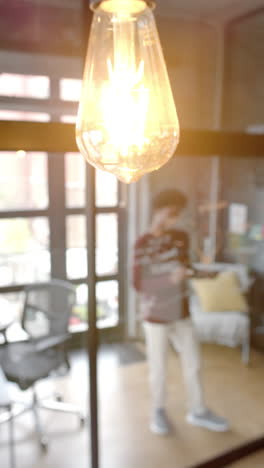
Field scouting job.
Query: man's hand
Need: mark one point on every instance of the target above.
(178, 275)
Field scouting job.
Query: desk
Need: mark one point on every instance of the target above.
(5, 404)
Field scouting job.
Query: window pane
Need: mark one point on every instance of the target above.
(75, 180)
(106, 244)
(68, 118)
(23, 180)
(106, 189)
(20, 115)
(70, 89)
(24, 85)
(76, 256)
(78, 319)
(107, 303)
(106, 184)
(107, 306)
(24, 254)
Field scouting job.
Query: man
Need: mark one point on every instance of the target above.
(161, 269)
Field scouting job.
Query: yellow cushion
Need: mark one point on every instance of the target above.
(221, 293)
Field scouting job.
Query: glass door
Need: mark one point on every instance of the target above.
(107, 221)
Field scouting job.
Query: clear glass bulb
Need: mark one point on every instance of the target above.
(127, 122)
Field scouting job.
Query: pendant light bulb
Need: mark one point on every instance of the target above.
(127, 122)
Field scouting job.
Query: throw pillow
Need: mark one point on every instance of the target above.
(222, 293)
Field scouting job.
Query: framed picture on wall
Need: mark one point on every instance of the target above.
(237, 218)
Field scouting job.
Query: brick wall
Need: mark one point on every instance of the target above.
(243, 179)
(244, 105)
(191, 50)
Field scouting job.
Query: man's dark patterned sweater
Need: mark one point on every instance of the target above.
(155, 260)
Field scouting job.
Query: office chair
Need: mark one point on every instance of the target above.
(6, 405)
(45, 318)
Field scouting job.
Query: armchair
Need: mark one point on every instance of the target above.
(229, 328)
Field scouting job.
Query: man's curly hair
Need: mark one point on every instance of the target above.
(169, 198)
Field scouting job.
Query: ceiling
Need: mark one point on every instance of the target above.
(212, 10)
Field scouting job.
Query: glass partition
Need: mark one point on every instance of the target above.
(212, 358)
(223, 219)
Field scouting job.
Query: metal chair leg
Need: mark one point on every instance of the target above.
(36, 404)
(14, 412)
(62, 407)
(11, 440)
(43, 440)
(245, 354)
(42, 437)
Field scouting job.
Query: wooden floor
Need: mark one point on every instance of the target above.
(254, 461)
(232, 389)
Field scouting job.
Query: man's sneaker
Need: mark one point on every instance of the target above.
(160, 423)
(208, 420)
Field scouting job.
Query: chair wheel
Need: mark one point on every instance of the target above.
(59, 398)
(44, 444)
(82, 420)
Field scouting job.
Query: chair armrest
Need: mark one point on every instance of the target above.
(5, 326)
(5, 401)
(51, 342)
